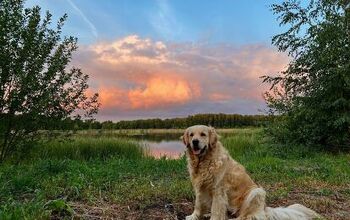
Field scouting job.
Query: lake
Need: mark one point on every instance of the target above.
(165, 148)
(162, 145)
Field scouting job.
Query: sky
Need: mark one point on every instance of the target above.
(163, 59)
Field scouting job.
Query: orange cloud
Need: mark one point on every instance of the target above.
(113, 98)
(157, 92)
(160, 91)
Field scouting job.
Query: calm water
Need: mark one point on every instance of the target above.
(165, 148)
(162, 145)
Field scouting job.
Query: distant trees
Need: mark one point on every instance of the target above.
(313, 94)
(36, 87)
(216, 120)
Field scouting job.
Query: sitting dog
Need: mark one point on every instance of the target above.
(221, 184)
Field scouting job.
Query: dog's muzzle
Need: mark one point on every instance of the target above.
(197, 151)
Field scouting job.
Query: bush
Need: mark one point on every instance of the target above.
(312, 96)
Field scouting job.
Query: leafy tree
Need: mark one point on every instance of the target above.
(36, 86)
(313, 94)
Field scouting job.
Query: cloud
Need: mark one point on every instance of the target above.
(139, 77)
(131, 49)
(219, 97)
(86, 20)
(162, 92)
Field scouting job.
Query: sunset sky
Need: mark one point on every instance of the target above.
(161, 59)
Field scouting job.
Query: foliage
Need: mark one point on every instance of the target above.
(216, 120)
(36, 86)
(313, 94)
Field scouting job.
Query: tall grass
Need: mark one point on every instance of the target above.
(270, 163)
(242, 141)
(87, 148)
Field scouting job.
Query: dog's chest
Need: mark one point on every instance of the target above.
(202, 174)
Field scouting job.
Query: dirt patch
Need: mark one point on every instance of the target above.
(160, 211)
(335, 206)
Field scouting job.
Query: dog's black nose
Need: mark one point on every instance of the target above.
(195, 142)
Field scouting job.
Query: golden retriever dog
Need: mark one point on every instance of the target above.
(221, 184)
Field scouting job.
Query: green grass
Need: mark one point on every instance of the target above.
(113, 171)
(87, 148)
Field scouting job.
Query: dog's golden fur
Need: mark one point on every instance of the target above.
(221, 184)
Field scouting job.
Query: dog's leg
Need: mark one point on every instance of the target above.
(200, 206)
(219, 206)
(253, 205)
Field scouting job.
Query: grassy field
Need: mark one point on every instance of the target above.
(97, 176)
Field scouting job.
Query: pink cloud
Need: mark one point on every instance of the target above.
(219, 97)
(139, 76)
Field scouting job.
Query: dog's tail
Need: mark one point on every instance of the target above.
(292, 212)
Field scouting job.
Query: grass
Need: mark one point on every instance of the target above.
(111, 178)
(87, 148)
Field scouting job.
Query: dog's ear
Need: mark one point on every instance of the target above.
(184, 138)
(213, 137)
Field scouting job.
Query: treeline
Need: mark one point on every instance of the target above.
(215, 120)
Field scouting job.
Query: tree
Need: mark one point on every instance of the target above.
(36, 86)
(312, 95)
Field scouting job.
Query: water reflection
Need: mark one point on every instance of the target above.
(161, 145)
(164, 148)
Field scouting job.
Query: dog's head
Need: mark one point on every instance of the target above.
(199, 139)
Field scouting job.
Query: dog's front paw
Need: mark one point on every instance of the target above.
(194, 216)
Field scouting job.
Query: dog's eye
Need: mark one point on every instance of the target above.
(191, 134)
(203, 134)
